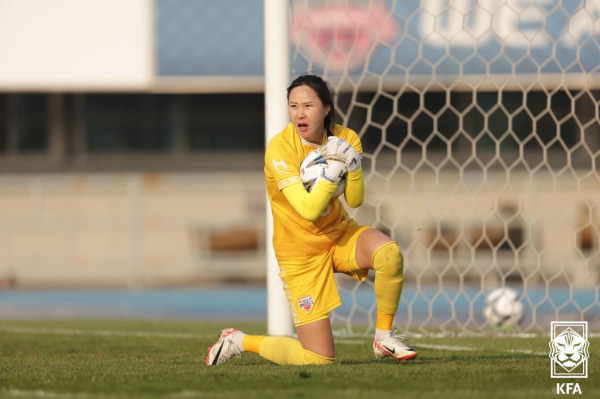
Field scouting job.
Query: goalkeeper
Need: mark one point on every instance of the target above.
(314, 237)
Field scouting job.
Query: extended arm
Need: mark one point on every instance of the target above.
(310, 205)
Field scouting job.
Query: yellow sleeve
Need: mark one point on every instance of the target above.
(355, 189)
(309, 205)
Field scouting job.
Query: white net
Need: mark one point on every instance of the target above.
(481, 129)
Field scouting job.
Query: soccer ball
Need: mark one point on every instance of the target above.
(503, 308)
(310, 171)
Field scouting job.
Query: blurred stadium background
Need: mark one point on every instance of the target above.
(132, 137)
(131, 142)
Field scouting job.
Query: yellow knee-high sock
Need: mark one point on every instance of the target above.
(283, 350)
(389, 279)
(252, 343)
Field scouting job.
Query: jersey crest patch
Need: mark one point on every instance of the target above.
(306, 302)
(280, 166)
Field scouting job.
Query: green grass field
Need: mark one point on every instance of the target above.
(87, 359)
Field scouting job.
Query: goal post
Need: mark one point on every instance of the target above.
(481, 135)
(277, 74)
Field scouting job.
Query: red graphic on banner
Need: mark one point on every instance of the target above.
(342, 36)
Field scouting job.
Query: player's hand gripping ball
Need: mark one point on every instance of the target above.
(315, 167)
(339, 149)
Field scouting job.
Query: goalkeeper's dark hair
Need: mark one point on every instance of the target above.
(324, 91)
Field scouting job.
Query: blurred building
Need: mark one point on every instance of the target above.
(131, 142)
(132, 136)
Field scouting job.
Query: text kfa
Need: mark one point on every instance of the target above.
(567, 388)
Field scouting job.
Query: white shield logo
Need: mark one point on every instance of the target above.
(569, 349)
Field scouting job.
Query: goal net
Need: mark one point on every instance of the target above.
(481, 133)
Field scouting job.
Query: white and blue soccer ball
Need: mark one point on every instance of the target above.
(310, 171)
(503, 308)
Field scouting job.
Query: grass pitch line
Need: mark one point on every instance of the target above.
(105, 333)
(18, 393)
(143, 334)
(466, 349)
(416, 345)
(450, 348)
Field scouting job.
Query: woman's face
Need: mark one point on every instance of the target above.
(307, 113)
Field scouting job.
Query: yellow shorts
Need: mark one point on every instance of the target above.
(309, 282)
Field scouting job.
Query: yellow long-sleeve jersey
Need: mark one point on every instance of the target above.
(294, 236)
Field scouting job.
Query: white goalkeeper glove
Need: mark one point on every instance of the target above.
(339, 149)
(334, 171)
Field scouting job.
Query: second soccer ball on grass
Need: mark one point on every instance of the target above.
(503, 308)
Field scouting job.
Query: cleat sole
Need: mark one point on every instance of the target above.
(407, 358)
